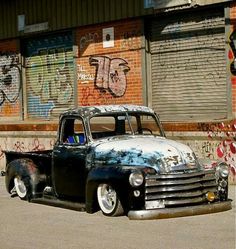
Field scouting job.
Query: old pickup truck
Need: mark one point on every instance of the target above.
(116, 159)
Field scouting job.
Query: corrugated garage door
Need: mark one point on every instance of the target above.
(49, 75)
(188, 64)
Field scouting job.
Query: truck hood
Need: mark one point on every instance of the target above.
(162, 154)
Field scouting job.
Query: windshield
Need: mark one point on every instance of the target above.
(124, 124)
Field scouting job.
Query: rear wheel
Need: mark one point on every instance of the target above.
(20, 187)
(108, 201)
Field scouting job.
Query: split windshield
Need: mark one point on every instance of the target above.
(124, 124)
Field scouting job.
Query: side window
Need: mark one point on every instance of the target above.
(147, 125)
(73, 131)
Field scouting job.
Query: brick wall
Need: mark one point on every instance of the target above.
(110, 73)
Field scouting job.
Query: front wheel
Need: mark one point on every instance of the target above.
(108, 201)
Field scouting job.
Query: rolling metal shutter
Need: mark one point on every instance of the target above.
(49, 76)
(188, 64)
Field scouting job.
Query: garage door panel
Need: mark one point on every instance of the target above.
(188, 66)
(49, 75)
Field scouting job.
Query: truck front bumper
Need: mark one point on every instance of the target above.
(164, 213)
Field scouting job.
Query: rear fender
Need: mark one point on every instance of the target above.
(26, 169)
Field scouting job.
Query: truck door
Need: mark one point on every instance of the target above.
(68, 168)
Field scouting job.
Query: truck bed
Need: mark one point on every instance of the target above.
(42, 159)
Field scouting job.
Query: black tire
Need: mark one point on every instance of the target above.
(109, 201)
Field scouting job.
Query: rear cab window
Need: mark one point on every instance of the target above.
(72, 131)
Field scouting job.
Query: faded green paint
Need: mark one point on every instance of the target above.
(63, 14)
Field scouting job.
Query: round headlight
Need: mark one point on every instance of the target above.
(223, 170)
(136, 179)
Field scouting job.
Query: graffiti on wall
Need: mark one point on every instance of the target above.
(107, 84)
(225, 149)
(87, 39)
(1, 152)
(110, 74)
(232, 53)
(91, 95)
(50, 80)
(10, 82)
(49, 75)
(131, 40)
(23, 145)
(34, 145)
(83, 75)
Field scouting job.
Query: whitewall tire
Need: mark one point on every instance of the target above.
(108, 200)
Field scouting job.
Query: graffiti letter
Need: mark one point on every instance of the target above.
(110, 74)
(9, 79)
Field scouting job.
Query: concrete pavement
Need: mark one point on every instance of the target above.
(26, 225)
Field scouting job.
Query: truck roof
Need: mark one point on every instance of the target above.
(100, 109)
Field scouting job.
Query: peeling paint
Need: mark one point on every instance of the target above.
(157, 152)
(91, 110)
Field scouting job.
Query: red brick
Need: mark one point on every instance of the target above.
(127, 46)
(8, 46)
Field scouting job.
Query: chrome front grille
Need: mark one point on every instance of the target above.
(176, 189)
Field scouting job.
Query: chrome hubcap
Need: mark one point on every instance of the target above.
(107, 198)
(20, 187)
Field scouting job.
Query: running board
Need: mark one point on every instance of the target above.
(60, 203)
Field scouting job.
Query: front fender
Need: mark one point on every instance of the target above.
(117, 177)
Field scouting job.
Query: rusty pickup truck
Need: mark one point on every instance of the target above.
(117, 159)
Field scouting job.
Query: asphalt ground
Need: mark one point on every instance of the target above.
(25, 225)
